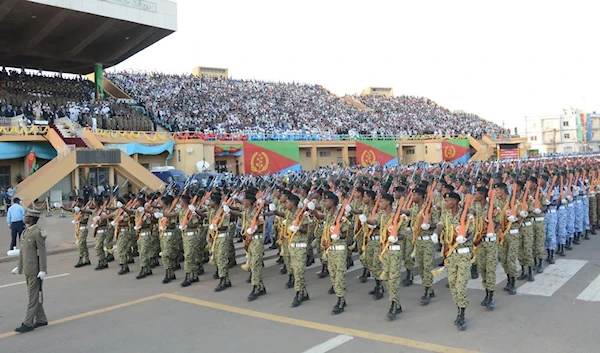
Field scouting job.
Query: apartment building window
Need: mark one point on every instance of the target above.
(567, 136)
(533, 138)
(308, 154)
(565, 123)
(410, 151)
(352, 160)
(325, 154)
(425, 149)
(5, 181)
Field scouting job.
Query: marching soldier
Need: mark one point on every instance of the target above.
(81, 219)
(168, 232)
(143, 230)
(219, 228)
(539, 231)
(526, 234)
(486, 243)
(100, 233)
(188, 226)
(298, 238)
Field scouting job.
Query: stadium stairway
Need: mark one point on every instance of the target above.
(110, 87)
(355, 103)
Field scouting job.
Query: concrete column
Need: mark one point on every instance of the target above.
(111, 176)
(86, 173)
(313, 156)
(136, 157)
(75, 179)
(99, 88)
(345, 158)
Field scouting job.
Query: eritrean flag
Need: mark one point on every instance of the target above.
(456, 150)
(264, 157)
(382, 152)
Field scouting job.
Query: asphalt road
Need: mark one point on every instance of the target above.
(92, 311)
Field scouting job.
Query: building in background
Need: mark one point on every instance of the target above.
(568, 132)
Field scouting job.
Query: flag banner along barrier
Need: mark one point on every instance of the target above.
(456, 150)
(381, 152)
(264, 157)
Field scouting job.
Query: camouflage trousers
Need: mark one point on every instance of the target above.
(191, 245)
(358, 240)
(200, 253)
(124, 245)
(487, 261)
(310, 254)
(99, 239)
(392, 269)
(297, 251)
(221, 255)
(371, 257)
(145, 247)
(230, 244)
(169, 248)
(424, 257)
(109, 241)
(284, 251)
(320, 250)
(459, 273)
(337, 267)
(255, 260)
(81, 234)
(407, 249)
(526, 244)
(539, 237)
(593, 211)
(509, 253)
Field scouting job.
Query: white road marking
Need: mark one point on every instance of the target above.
(592, 292)
(436, 279)
(330, 344)
(500, 276)
(554, 277)
(47, 277)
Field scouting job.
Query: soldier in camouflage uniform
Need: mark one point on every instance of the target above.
(121, 223)
(167, 223)
(372, 249)
(298, 238)
(539, 225)
(80, 220)
(188, 225)
(458, 261)
(526, 233)
(100, 233)
(219, 229)
(334, 247)
(509, 246)
(143, 231)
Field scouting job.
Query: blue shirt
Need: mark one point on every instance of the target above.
(16, 213)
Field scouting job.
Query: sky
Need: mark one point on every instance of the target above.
(501, 60)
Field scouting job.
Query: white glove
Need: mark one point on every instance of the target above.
(547, 202)
(563, 201)
(334, 237)
(119, 204)
(121, 218)
(343, 219)
(362, 218)
(14, 252)
(136, 227)
(41, 274)
(207, 202)
(251, 230)
(523, 214)
(284, 222)
(113, 223)
(461, 239)
(57, 205)
(576, 189)
(331, 229)
(311, 206)
(261, 218)
(15, 271)
(178, 207)
(182, 227)
(425, 226)
(300, 204)
(390, 229)
(348, 208)
(192, 208)
(537, 211)
(507, 212)
(158, 215)
(434, 238)
(570, 198)
(74, 221)
(406, 218)
(213, 227)
(392, 239)
(76, 209)
(140, 209)
(471, 217)
(272, 207)
(226, 209)
(294, 228)
(306, 214)
(512, 219)
(96, 218)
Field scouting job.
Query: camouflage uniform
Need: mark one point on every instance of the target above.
(123, 236)
(509, 247)
(221, 252)
(100, 236)
(284, 240)
(424, 245)
(391, 259)
(297, 245)
(539, 233)
(255, 250)
(359, 230)
(168, 246)
(593, 208)
(487, 250)
(144, 238)
(191, 243)
(458, 263)
(81, 232)
(336, 254)
(370, 257)
(526, 238)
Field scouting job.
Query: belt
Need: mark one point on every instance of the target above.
(462, 251)
(570, 205)
(539, 219)
(375, 237)
(100, 231)
(298, 245)
(190, 233)
(84, 227)
(168, 233)
(221, 235)
(143, 234)
(513, 231)
(527, 224)
(424, 237)
(258, 236)
(408, 229)
(552, 211)
(394, 247)
(490, 239)
(337, 247)
(122, 229)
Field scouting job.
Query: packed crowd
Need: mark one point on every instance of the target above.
(46, 98)
(275, 110)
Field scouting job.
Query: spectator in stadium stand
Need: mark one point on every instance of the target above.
(219, 108)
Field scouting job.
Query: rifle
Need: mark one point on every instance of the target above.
(490, 225)
(253, 224)
(510, 205)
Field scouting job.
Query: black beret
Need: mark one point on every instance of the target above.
(453, 195)
(388, 197)
(186, 198)
(216, 198)
(293, 198)
(330, 196)
(370, 194)
(420, 191)
(400, 189)
(249, 196)
(448, 186)
(483, 190)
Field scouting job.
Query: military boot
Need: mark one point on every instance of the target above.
(101, 266)
(593, 231)
(216, 274)
(378, 291)
(486, 299)
(561, 249)
(79, 263)
(512, 290)
(124, 269)
(551, 260)
(130, 260)
(408, 280)
(576, 238)
(507, 287)
(339, 307)
(462, 322)
(490, 304)
(457, 317)
(474, 273)
(172, 274)
(110, 257)
(331, 291)
(200, 270)
(363, 278)
(297, 300)
(568, 244)
(249, 279)
(324, 271)
(221, 287)
(395, 309)
(142, 273)
(426, 298)
(523, 275)
(587, 235)
(290, 282)
(280, 260)
(254, 294)
(167, 278)
(195, 278)
(283, 270)
(187, 281)
(530, 277)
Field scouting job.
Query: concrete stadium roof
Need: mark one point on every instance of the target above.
(50, 38)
